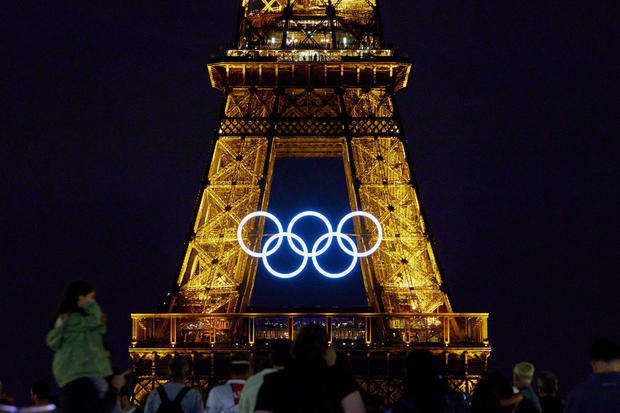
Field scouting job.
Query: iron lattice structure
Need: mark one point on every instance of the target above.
(309, 78)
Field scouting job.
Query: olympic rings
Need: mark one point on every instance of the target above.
(315, 252)
(240, 232)
(310, 214)
(353, 261)
(374, 221)
(304, 254)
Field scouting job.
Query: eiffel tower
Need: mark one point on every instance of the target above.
(310, 78)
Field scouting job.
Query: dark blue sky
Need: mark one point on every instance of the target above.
(511, 115)
(302, 184)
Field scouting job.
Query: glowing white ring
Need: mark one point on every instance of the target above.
(374, 221)
(240, 234)
(303, 262)
(290, 236)
(301, 215)
(316, 262)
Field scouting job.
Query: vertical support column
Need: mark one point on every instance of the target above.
(328, 326)
(469, 332)
(368, 324)
(154, 366)
(368, 274)
(407, 335)
(446, 331)
(213, 332)
(249, 274)
(134, 331)
(466, 363)
(288, 12)
(193, 365)
(173, 331)
(485, 332)
(291, 328)
(331, 16)
(251, 329)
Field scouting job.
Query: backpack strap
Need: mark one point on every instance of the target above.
(181, 394)
(162, 394)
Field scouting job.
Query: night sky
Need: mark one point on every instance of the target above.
(511, 116)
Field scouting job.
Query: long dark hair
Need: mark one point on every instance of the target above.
(68, 303)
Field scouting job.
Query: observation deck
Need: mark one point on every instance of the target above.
(273, 72)
(375, 344)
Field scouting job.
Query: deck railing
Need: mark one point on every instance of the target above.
(345, 330)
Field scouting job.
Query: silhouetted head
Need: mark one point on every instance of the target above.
(547, 383)
(40, 392)
(522, 374)
(310, 344)
(605, 356)
(241, 366)
(124, 396)
(178, 368)
(604, 350)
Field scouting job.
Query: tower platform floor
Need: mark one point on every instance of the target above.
(374, 345)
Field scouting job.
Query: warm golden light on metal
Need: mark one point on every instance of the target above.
(310, 78)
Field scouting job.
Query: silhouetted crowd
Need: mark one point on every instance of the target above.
(299, 377)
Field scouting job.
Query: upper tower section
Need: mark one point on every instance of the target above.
(289, 28)
(309, 43)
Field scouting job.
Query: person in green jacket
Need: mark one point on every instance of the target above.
(81, 364)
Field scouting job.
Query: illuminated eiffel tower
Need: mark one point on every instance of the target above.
(310, 78)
